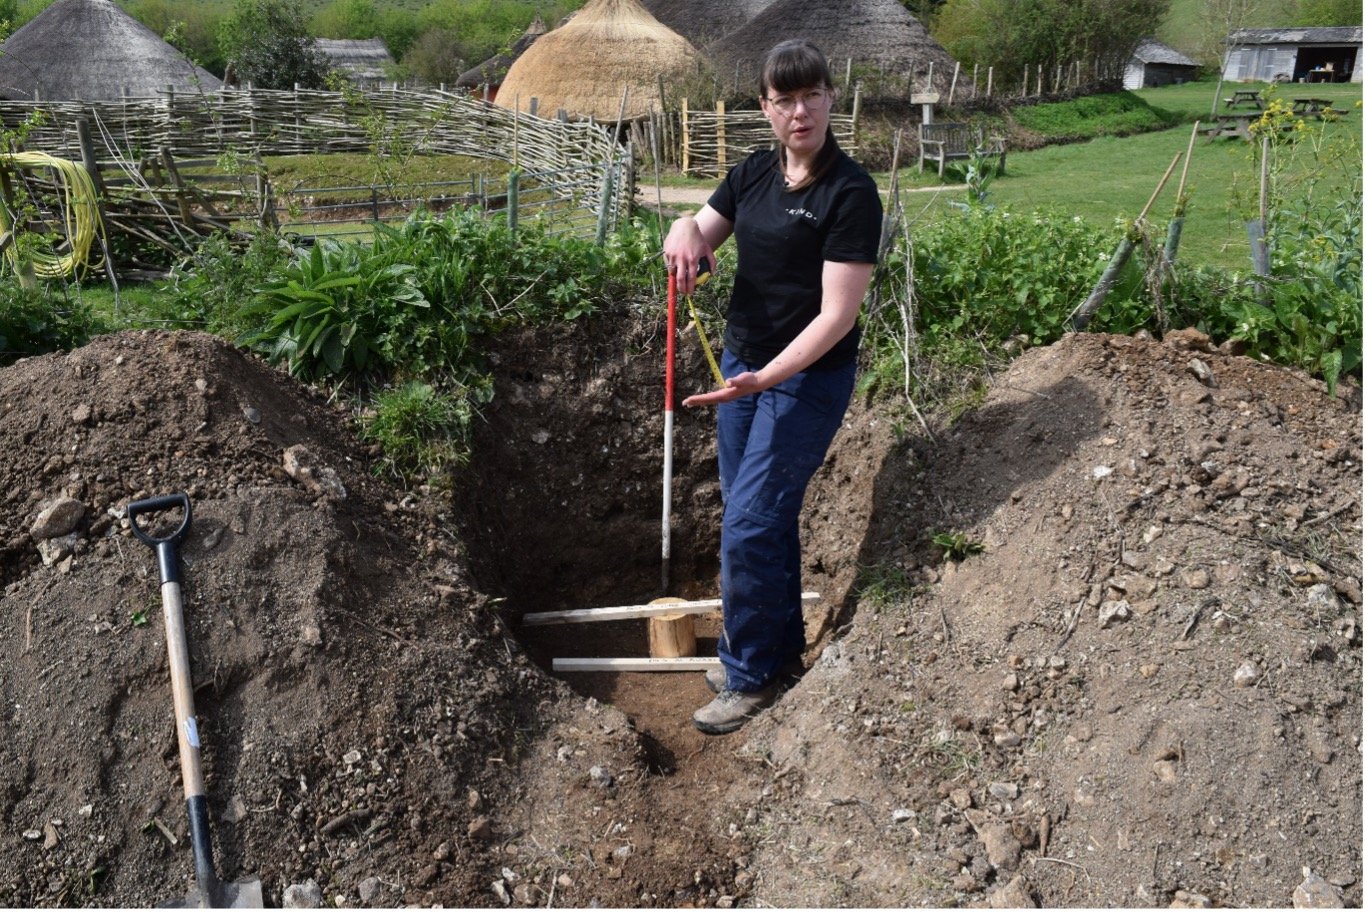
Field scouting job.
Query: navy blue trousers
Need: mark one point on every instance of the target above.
(769, 445)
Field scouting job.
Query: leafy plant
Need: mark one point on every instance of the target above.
(212, 288)
(957, 546)
(38, 320)
(1306, 312)
(340, 308)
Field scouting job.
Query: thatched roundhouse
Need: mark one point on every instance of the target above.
(91, 50)
(704, 21)
(493, 71)
(877, 34)
(365, 61)
(584, 66)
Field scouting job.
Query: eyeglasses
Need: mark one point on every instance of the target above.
(786, 104)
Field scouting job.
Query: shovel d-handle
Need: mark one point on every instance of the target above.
(182, 688)
(164, 545)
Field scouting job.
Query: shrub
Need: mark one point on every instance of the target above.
(36, 321)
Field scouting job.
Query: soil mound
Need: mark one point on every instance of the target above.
(363, 713)
(1145, 691)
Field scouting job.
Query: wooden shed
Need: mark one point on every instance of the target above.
(1156, 64)
(1326, 54)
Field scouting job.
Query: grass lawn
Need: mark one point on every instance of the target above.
(1111, 178)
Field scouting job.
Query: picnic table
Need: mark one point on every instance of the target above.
(1231, 125)
(1244, 97)
(1312, 107)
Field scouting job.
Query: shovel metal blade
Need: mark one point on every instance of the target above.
(242, 895)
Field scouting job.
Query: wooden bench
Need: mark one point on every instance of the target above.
(944, 142)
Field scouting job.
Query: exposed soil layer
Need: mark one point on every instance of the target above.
(1145, 690)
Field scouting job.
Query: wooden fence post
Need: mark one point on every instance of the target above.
(604, 210)
(513, 199)
(686, 151)
(952, 87)
(990, 77)
(720, 135)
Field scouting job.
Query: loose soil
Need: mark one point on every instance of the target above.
(1145, 691)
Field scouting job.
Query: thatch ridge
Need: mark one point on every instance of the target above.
(583, 66)
(875, 33)
(704, 21)
(91, 50)
(494, 70)
(363, 59)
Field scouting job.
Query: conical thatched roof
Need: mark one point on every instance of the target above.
(584, 66)
(874, 33)
(493, 70)
(704, 21)
(91, 50)
(365, 60)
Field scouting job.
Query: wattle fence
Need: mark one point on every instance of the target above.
(594, 175)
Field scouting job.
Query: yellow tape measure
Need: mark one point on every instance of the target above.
(702, 276)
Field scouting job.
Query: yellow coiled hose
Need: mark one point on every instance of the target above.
(80, 216)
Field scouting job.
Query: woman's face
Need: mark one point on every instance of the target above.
(799, 118)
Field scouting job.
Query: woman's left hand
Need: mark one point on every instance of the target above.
(742, 384)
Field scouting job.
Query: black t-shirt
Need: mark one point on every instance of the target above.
(783, 240)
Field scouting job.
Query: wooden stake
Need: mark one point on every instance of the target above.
(671, 636)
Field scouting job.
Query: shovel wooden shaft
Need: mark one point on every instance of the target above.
(186, 723)
(182, 690)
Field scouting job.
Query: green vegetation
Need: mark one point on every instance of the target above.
(46, 319)
(268, 43)
(423, 431)
(957, 546)
(1013, 34)
(884, 585)
(1109, 114)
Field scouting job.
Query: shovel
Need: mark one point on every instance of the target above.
(209, 890)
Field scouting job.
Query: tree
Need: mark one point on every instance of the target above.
(1328, 12)
(363, 19)
(1013, 34)
(436, 57)
(268, 46)
(191, 27)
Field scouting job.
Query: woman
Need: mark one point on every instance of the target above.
(806, 221)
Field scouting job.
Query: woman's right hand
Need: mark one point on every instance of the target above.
(685, 248)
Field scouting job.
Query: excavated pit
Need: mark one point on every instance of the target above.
(564, 512)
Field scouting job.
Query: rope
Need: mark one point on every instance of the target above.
(80, 216)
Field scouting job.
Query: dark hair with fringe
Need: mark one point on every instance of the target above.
(790, 66)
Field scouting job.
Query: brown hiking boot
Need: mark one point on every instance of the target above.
(732, 709)
(787, 676)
